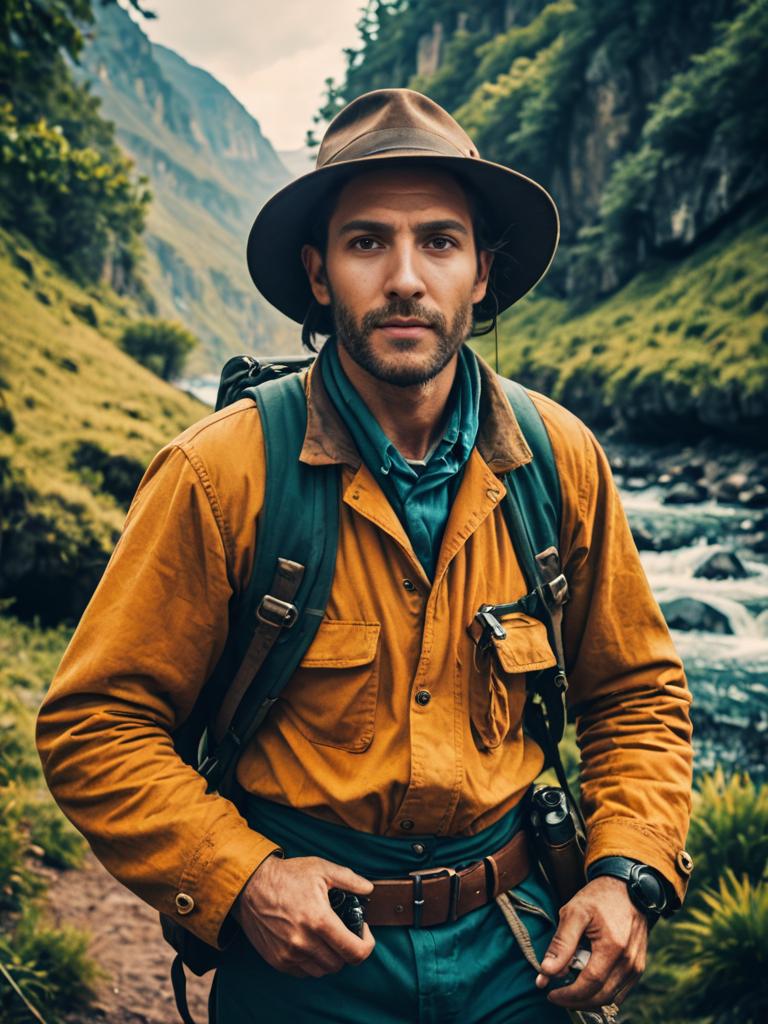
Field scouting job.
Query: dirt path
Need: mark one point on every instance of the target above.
(127, 944)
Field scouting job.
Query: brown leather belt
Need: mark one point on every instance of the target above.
(436, 895)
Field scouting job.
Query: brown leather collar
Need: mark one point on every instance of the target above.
(437, 895)
(500, 440)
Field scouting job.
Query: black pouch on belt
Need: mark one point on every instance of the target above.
(558, 841)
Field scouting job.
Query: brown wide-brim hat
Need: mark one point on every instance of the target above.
(403, 127)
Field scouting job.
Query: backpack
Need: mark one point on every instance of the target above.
(275, 620)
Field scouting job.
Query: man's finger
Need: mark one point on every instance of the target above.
(340, 877)
(562, 946)
(352, 948)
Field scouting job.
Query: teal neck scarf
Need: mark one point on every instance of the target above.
(420, 492)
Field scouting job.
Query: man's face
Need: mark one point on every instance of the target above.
(401, 272)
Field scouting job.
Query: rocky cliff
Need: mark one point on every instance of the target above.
(643, 120)
(209, 169)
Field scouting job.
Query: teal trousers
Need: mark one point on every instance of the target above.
(469, 971)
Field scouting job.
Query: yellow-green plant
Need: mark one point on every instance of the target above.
(729, 828)
(724, 945)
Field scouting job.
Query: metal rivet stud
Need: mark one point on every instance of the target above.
(408, 585)
(423, 697)
(184, 903)
(406, 824)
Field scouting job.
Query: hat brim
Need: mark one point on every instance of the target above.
(520, 215)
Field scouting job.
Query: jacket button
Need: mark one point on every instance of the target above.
(184, 903)
(684, 862)
(419, 849)
(406, 824)
(408, 585)
(423, 697)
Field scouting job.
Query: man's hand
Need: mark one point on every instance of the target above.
(285, 913)
(618, 934)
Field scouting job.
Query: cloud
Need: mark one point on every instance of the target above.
(274, 56)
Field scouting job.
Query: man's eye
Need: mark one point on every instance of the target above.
(364, 244)
(442, 242)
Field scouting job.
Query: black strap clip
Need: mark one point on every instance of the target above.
(492, 628)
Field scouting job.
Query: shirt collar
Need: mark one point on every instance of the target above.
(500, 440)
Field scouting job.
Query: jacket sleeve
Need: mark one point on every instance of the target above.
(147, 642)
(628, 690)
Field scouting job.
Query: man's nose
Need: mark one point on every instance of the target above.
(404, 280)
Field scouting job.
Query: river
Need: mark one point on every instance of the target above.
(726, 658)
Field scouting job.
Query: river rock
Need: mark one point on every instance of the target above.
(754, 497)
(721, 565)
(688, 613)
(683, 492)
(643, 538)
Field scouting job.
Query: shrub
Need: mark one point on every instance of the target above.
(46, 970)
(729, 828)
(55, 541)
(62, 845)
(118, 475)
(160, 345)
(725, 947)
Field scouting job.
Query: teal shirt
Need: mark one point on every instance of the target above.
(421, 495)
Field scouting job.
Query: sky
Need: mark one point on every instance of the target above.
(273, 55)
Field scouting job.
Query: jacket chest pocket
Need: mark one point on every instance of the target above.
(497, 689)
(332, 696)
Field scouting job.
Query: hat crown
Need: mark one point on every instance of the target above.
(391, 121)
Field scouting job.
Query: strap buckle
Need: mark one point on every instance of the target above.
(418, 891)
(274, 612)
(558, 589)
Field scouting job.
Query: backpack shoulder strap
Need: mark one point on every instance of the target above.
(533, 512)
(279, 613)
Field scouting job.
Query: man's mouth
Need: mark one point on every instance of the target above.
(404, 324)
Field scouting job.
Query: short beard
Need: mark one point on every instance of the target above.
(356, 339)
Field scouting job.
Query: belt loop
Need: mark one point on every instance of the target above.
(418, 900)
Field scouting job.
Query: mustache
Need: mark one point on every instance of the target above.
(404, 309)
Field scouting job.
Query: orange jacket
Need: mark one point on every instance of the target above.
(348, 742)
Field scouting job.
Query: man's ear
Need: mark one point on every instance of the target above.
(312, 259)
(484, 264)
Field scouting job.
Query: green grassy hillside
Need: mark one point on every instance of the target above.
(681, 349)
(79, 420)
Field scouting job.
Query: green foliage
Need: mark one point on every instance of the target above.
(54, 541)
(715, 102)
(729, 828)
(724, 945)
(709, 964)
(43, 969)
(160, 345)
(63, 181)
(59, 844)
(682, 341)
(70, 202)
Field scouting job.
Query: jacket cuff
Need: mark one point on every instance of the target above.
(625, 837)
(212, 880)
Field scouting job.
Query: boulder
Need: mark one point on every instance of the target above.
(684, 492)
(721, 565)
(688, 613)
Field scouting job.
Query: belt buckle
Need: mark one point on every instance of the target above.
(418, 892)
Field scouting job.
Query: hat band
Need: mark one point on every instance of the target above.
(392, 139)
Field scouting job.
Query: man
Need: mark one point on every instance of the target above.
(395, 751)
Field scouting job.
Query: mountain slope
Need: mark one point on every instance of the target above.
(210, 169)
(79, 421)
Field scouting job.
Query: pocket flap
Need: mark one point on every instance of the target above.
(526, 645)
(342, 643)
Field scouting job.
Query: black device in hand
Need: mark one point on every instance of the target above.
(349, 908)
